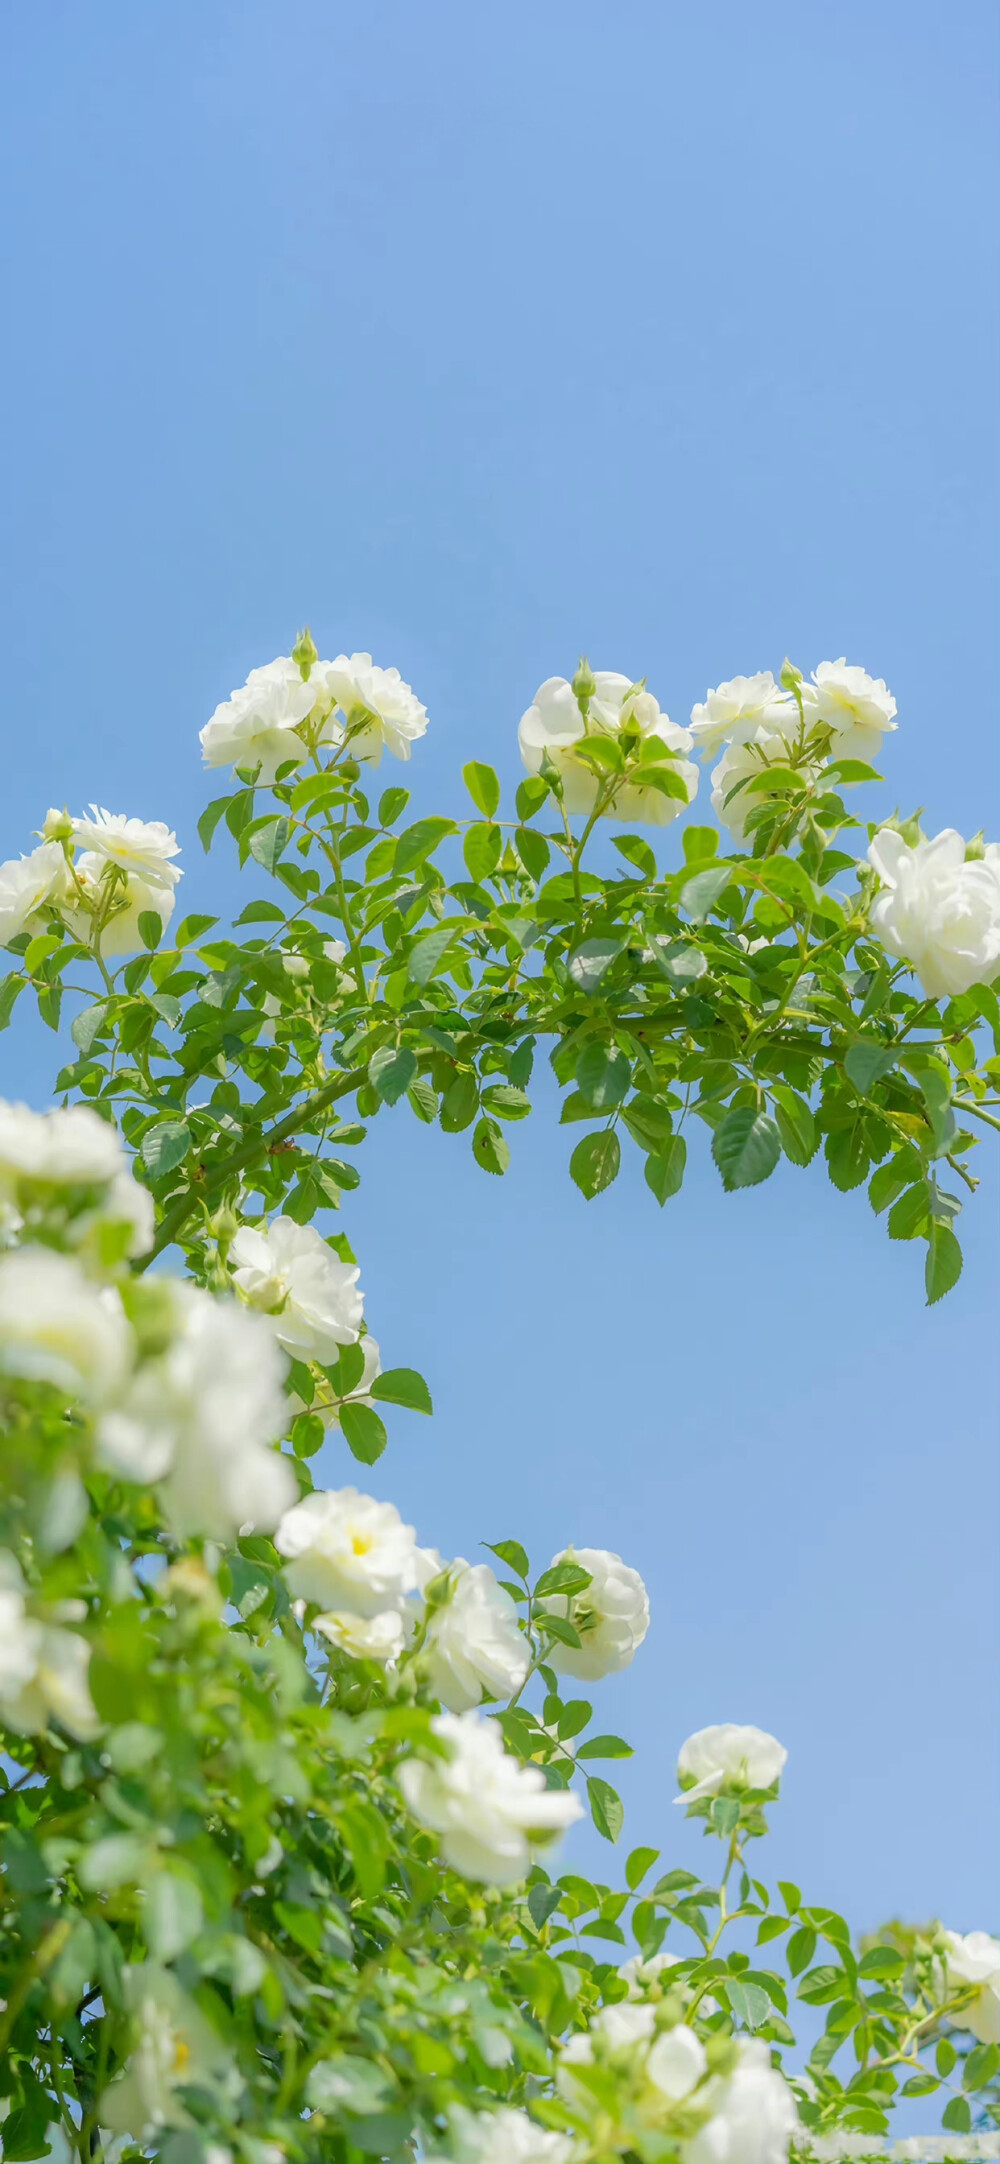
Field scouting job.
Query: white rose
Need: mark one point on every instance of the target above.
(503, 2137)
(676, 2062)
(70, 1147)
(474, 1641)
(639, 1974)
(379, 1637)
(347, 1553)
(624, 2024)
(554, 724)
(43, 1668)
(755, 2115)
(124, 871)
(489, 1810)
(937, 912)
(975, 1959)
(856, 707)
(26, 884)
(310, 1296)
(259, 724)
(734, 712)
(142, 848)
(175, 2047)
(201, 1417)
(744, 761)
(56, 1326)
(378, 708)
(728, 1757)
(611, 1617)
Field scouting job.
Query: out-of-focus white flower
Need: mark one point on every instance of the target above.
(503, 2137)
(611, 1617)
(676, 2062)
(124, 869)
(378, 708)
(639, 1975)
(72, 1148)
(474, 1642)
(489, 1811)
(348, 1553)
(728, 1757)
(856, 707)
(975, 1960)
(335, 950)
(380, 1637)
(260, 723)
(26, 884)
(623, 2025)
(734, 713)
(200, 1418)
(56, 1326)
(175, 2048)
(745, 761)
(754, 2117)
(937, 912)
(310, 1297)
(554, 725)
(43, 1668)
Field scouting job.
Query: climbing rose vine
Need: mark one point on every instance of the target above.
(284, 1788)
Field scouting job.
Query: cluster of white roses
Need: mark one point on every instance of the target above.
(97, 875)
(842, 713)
(279, 715)
(565, 717)
(724, 2104)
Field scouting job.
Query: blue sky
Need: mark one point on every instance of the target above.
(479, 337)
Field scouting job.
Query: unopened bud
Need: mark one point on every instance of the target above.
(551, 775)
(584, 682)
(57, 827)
(975, 848)
(790, 677)
(304, 653)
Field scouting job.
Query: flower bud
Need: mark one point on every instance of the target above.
(584, 684)
(57, 827)
(304, 653)
(976, 848)
(790, 677)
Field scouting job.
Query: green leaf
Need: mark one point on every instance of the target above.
(664, 779)
(606, 1808)
(699, 844)
(603, 1076)
(490, 1150)
(427, 952)
(191, 928)
(700, 894)
(943, 1267)
(210, 819)
(881, 1961)
(483, 786)
(150, 928)
(956, 2116)
(746, 1147)
(800, 1949)
(980, 2066)
(590, 962)
(640, 1861)
(85, 1026)
(511, 1553)
(595, 1162)
(749, 2002)
(531, 796)
(533, 850)
(637, 852)
(165, 1146)
(507, 1102)
(790, 1895)
(268, 841)
(416, 843)
(665, 1170)
(796, 1125)
(867, 1062)
(852, 770)
(403, 1386)
(172, 1915)
(391, 804)
(909, 1215)
(390, 1072)
(460, 1104)
(848, 1157)
(605, 1747)
(10, 989)
(566, 1578)
(678, 960)
(363, 1431)
(888, 1182)
(481, 849)
(542, 1903)
(261, 913)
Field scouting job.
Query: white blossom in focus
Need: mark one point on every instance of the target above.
(124, 869)
(734, 713)
(754, 2117)
(26, 884)
(937, 912)
(377, 707)
(728, 1757)
(348, 1553)
(142, 848)
(201, 1416)
(380, 1637)
(975, 1960)
(611, 1617)
(310, 1297)
(259, 724)
(43, 1668)
(506, 2136)
(175, 2047)
(676, 2062)
(489, 1811)
(554, 725)
(855, 706)
(743, 762)
(57, 1326)
(474, 1642)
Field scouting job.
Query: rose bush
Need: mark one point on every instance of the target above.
(284, 1787)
